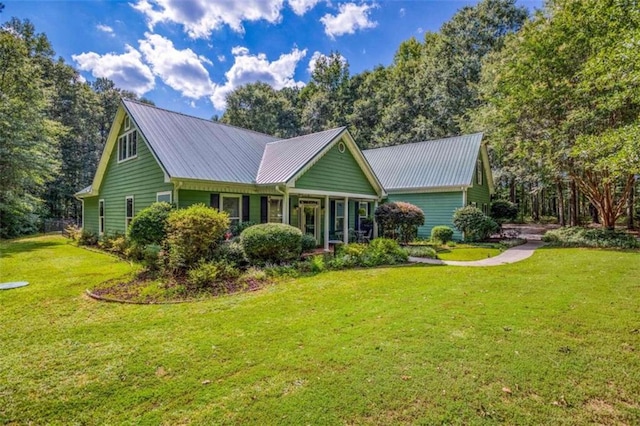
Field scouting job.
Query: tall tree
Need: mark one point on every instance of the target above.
(565, 93)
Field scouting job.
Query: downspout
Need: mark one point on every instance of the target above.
(285, 204)
(464, 203)
(176, 190)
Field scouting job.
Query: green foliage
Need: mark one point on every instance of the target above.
(381, 251)
(475, 225)
(594, 237)
(308, 243)
(203, 275)
(193, 233)
(441, 234)
(237, 229)
(421, 251)
(317, 264)
(400, 218)
(151, 257)
(149, 226)
(271, 243)
(73, 232)
(87, 238)
(232, 252)
(503, 211)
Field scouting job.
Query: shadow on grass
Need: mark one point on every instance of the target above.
(9, 248)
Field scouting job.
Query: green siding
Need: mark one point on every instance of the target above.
(479, 194)
(90, 220)
(438, 208)
(141, 177)
(187, 197)
(336, 171)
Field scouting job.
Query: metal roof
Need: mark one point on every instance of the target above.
(195, 148)
(431, 164)
(284, 158)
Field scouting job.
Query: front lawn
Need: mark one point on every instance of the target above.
(468, 252)
(553, 339)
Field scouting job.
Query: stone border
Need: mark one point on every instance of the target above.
(130, 302)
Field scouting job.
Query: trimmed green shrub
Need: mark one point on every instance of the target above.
(237, 229)
(271, 242)
(586, 237)
(308, 243)
(400, 219)
(383, 251)
(441, 234)
(475, 225)
(193, 233)
(503, 211)
(150, 225)
(421, 251)
(232, 252)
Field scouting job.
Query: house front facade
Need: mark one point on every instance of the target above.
(321, 183)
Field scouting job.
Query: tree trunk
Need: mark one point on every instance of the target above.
(573, 204)
(594, 213)
(512, 191)
(560, 198)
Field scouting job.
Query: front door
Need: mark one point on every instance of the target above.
(309, 218)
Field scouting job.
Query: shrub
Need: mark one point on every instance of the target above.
(239, 227)
(73, 232)
(151, 257)
(400, 218)
(308, 243)
(271, 242)
(150, 225)
(87, 238)
(475, 225)
(441, 234)
(203, 275)
(584, 237)
(193, 233)
(383, 251)
(232, 252)
(317, 264)
(421, 251)
(503, 211)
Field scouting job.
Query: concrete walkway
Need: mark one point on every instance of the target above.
(512, 255)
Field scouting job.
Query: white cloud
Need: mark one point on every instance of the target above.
(127, 70)
(249, 68)
(419, 30)
(222, 58)
(182, 70)
(200, 17)
(351, 18)
(317, 55)
(402, 12)
(105, 28)
(300, 7)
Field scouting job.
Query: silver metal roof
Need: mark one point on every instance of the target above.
(195, 148)
(284, 158)
(431, 164)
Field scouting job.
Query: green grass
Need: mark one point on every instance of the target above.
(466, 252)
(412, 345)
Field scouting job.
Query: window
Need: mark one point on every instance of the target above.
(363, 210)
(163, 197)
(127, 122)
(473, 204)
(128, 146)
(275, 209)
(101, 217)
(128, 211)
(232, 204)
(339, 216)
(479, 172)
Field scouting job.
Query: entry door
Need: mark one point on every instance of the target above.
(309, 218)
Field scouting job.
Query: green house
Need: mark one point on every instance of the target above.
(321, 183)
(438, 176)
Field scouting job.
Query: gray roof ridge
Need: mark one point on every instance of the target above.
(341, 128)
(200, 118)
(427, 141)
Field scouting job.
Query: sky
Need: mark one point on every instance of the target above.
(187, 56)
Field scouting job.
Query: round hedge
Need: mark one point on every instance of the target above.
(441, 233)
(271, 243)
(150, 225)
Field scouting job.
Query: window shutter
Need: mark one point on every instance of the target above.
(332, 217)
(245, 208)
(356, 213)
(264, 209)
(215, 201)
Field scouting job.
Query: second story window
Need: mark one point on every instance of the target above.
(128, 146)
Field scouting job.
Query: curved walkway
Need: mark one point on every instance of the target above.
(512, 255)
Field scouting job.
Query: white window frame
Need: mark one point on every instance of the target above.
(127, 219)
(127, 122)
(269, 209)
(336, 216)
(125, 144)
(366, 210)
(239, 197)
(169, 193)
(101, 219)
(479, 171)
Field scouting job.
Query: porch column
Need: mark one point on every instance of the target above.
(345, 234)
(326, 222)
(375, 224)
(285, 207)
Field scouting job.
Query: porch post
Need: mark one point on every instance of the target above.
(375, 224)
(345, 234)
(326, 222)
(285, 207)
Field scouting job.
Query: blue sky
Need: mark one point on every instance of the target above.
(187, 55)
